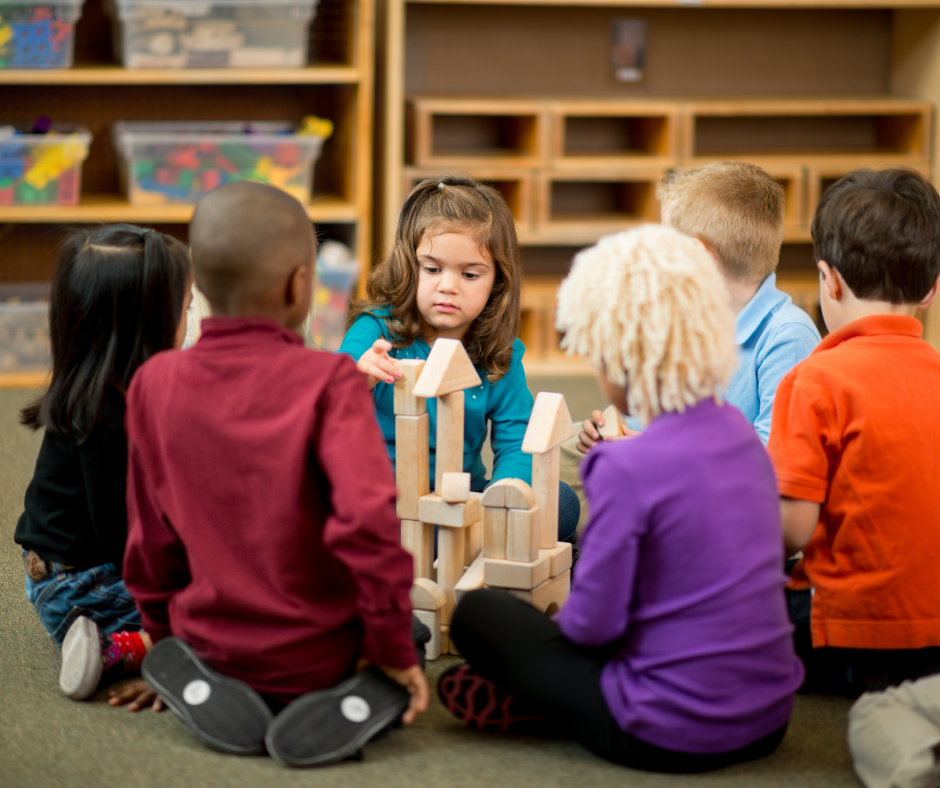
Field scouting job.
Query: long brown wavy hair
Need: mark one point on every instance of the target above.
(452, 203)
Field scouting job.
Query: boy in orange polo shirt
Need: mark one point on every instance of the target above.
(855, 440)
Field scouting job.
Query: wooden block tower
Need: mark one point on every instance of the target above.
(499, 538)
(520, 523)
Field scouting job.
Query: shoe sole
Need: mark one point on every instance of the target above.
(81, 668)
(223, 713)
(331, 725)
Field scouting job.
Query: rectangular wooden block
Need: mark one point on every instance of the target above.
(559, 558)
(432, 620)
(405, 403)
(548, 596)
(455, 487)
(522, 534)
(433, 509)
(447, 645)
(495, 523)
(545, 469)
(472, 579)
(418, 539)
(412, 464)
(450, 566)
(473, 546)
(515, 574)
(448, 450)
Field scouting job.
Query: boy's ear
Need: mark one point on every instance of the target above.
(927, 300)
(708, 248)
(831, 280)
(298, 280)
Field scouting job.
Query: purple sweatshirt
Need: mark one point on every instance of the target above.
(682, 564)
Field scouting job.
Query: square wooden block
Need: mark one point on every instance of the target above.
(434, 509)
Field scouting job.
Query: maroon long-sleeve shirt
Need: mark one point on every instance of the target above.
(261, 515)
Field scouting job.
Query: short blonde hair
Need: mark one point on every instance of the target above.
(650, 310)
(734, 207)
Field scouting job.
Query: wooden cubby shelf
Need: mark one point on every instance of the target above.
(818, 89)
(117, 75)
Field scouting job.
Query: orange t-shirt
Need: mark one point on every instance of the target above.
(856, 428)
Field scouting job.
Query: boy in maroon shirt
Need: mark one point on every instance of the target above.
(263, 548)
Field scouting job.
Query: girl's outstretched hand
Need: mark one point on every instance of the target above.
(136, 695)
(377, 365)
(590, 435)
(413, 680)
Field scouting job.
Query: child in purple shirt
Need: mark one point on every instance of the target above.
(674, 651)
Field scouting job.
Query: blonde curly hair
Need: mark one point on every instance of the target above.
(650, 310)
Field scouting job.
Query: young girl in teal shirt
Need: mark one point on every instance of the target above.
(454, 273)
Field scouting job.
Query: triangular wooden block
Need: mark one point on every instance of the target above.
(447, 369)
(549, 424)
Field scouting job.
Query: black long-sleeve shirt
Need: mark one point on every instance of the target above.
(75, 510)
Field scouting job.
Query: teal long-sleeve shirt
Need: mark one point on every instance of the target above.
(504, 406)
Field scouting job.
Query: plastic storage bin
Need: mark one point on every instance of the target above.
(38, 33)
(24, 327)
(337, 272)
(42, 169)
(180, 162)
(212, 33)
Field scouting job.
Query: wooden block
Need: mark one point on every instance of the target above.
(545, 469)
(418, 539)
(522, 534)
(559, 558)
(426, 595)
(613, 421)
(473, 541)
(472, 579)
(448, 368)
(514, 574)
(509, 494)
(495, 524)
(448, 451)
(432, 620)
(455, 487)
(549, 425)
(405, 402)
(450, 567)
(447, 645)
(412, 464)
(433, 509)
(548, 596)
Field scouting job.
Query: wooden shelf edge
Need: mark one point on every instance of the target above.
(558, 365)
(111, 208)
(28, 379)
(117, 75)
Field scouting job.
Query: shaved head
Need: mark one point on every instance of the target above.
(246, 238)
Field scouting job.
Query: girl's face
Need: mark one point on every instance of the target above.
(181, 326)
(455, 279)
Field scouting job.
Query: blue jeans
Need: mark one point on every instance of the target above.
(98, 593)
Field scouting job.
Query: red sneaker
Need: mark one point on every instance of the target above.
(484, 705)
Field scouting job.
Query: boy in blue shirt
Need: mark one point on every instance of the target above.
(736, 211)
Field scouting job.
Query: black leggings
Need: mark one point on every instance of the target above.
(523, 651)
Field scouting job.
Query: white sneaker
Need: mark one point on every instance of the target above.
(81, 660)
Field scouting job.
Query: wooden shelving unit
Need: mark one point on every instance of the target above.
(818, 90)
(338, 84)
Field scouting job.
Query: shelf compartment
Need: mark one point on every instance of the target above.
(596, 202)
(479, 132)
(854, 131)
(820, 177)
(514, 185)
(613, 133)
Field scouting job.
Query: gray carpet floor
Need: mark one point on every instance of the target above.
(45, 739)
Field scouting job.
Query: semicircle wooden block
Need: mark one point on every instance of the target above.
(508, 494)
(427, 595)
(549, 425)
(448, 369)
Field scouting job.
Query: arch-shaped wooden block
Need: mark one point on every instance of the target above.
(509, 494)
(427, 595)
